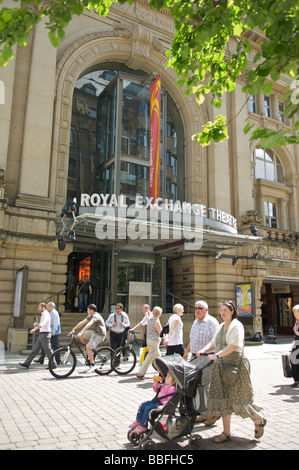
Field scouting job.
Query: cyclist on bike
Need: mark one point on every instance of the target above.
(93, 333)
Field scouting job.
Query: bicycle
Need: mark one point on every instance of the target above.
(124, 358)
(68, 362)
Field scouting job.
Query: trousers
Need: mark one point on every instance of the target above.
(43, 342)
(144, 411)
(54, 346)
(151, 355)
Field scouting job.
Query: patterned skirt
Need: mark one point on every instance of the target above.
(238, 398)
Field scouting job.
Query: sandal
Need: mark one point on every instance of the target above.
(259, 429)
(221, 438)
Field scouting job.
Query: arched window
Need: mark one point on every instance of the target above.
(267, 165)
(110, 138)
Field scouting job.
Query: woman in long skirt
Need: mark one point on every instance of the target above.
(230, 388)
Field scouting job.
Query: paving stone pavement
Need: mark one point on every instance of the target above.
(91, 412)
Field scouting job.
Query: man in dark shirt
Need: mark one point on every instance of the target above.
(83, 290)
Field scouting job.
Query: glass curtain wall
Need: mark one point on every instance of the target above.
(109, 147)
(110, 133)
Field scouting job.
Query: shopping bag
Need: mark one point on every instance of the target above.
(286, 365)
(142, 354)
(76, 302)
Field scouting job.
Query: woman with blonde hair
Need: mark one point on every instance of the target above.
(174, 339)
(154, 329)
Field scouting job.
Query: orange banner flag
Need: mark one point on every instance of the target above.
(155, 110)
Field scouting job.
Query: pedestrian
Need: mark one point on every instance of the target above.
(231, 388)
(147, 314)
(153, 339)
(174, 339)
(202, 330)
(44, 338)
(295, 348)
(118, 323)
(164, 393)
(92, 333)
(55, 332)
(83, 291)
(71, 290)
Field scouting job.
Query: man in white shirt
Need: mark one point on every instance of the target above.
(118, 323)
(55, 332)
(44, 339)
(147, 314)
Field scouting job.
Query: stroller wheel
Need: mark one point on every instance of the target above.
(147, 444)
(135, 438)
(195, 442)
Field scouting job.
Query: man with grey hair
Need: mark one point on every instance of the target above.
(55, 332)
(43, 340)
(202, 332)
(147, 314)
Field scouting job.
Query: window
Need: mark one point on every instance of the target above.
(72, 136)
(92, 112)
(112, 150)
(281, 111)
(267, 165)
(270, 214)
(267, 106)
(252, 104)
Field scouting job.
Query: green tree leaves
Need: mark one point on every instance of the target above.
(211, 48)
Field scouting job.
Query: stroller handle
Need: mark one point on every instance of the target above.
(202, 354)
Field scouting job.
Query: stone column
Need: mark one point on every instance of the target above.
(36, 147)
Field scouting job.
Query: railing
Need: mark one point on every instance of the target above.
(48, 299)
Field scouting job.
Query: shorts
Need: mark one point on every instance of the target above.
(92, 338)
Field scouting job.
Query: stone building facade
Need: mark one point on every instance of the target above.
(56, 136)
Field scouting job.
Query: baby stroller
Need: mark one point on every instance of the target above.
(177, 418)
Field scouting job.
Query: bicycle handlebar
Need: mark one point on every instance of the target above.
(134, 332)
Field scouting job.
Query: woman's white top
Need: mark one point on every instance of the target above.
(177, 335)
(234, 336)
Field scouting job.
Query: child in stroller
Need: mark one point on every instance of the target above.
(177, 417)
(163, 394)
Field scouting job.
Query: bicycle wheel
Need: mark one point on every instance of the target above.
(123, 360)
(103, 360)
(67, 364)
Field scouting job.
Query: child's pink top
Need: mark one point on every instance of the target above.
(164, 390)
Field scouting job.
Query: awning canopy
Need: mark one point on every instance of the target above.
(158, 238)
